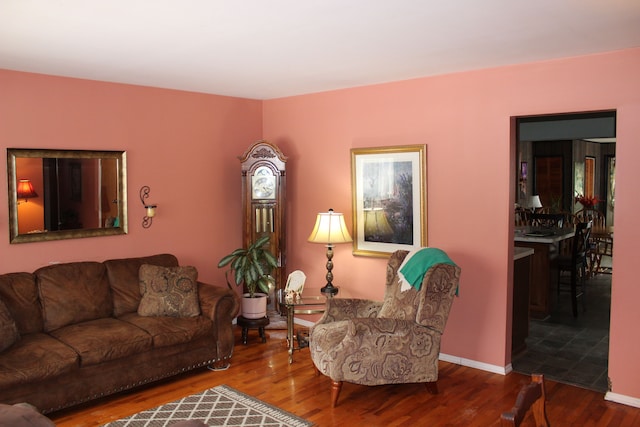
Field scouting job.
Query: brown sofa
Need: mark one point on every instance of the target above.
(80, 337)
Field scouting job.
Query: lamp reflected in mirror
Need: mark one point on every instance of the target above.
(25, 191)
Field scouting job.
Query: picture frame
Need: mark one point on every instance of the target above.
(389, 192)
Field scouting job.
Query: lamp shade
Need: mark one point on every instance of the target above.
(25, 190)
(534, 202)
(330, 228)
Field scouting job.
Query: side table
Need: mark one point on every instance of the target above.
(254, 324)
(300, 305)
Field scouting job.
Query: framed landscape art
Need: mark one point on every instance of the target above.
(389, 192)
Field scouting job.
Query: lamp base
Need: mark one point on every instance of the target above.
(329, 290)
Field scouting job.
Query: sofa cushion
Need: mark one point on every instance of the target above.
(20, 293)
(169, 291)
(125, 282)
(72, 293)
(34, 358)
(105, 339)
(9, 334)
(166, 331)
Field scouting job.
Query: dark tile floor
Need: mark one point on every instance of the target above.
(572, 350)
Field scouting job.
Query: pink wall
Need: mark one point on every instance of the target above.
(174, 137)
(172, 140)
(465, 119)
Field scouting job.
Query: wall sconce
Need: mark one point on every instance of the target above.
(25, 191)
(150, 209)
(330, 229)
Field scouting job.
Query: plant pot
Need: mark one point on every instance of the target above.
(254, 308)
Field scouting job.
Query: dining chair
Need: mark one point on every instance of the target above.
(531, 396)
(600, 242)
(591, 214)
(575, 264)
(569, 220)
(521, 217)
(546, 220)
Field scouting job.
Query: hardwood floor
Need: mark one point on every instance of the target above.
(468, 397)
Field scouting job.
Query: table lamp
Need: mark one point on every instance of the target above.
(535, 203)
(330, 229)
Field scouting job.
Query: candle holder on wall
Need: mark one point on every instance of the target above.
(150, 209)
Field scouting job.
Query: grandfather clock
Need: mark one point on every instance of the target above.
(263, 200)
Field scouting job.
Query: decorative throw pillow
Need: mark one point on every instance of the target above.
(9, 334)
(168, 291)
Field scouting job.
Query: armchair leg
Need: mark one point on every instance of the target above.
(336, 386)
(432, 387)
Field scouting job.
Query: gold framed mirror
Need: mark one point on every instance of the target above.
(66, 194)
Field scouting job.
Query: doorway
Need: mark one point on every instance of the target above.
(569, 155)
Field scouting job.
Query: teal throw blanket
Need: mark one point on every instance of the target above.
(412, 270)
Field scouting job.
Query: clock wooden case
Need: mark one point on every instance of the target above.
(263, 200)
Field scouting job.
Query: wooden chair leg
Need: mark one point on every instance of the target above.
(574, 293)
(432, 387)
(336, 386)
(316, 370)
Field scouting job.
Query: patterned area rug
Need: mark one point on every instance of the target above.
(219, 406)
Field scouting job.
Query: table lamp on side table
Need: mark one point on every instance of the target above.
(330, 229)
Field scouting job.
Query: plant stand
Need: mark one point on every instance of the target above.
(254, 324)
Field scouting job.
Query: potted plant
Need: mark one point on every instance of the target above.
(252, 268)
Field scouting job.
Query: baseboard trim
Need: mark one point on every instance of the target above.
(502, 370)
(621, 398)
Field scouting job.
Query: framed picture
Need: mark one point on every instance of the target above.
(522, 195)
(389, 188)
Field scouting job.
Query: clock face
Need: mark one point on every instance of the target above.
(263, 184)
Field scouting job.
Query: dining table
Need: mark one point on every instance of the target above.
(546, 243)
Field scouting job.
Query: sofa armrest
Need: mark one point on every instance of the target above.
(221, 305)
(348, 308)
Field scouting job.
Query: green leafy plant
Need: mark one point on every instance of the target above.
(251, 266)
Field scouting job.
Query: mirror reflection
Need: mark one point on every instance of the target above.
(63, 194)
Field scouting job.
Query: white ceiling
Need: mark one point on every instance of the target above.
(268, 49)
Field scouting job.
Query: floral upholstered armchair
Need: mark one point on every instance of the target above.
(391, 342)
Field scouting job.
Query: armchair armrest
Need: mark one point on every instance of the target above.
(348, 308)
(220, 305)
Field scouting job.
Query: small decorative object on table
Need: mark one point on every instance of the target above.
(587, 202)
